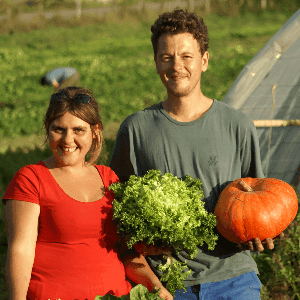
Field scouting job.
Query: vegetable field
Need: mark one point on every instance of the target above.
(115, 60)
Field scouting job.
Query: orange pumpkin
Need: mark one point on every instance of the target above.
(255, 207)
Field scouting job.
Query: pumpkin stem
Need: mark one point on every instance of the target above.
(245, 186)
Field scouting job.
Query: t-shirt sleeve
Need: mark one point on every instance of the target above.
(120, 159)
(250, 153)
(110, 176)
(24, 186)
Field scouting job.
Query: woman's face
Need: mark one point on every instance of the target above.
(70, 139)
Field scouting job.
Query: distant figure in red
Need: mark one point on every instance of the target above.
(62, 241)
(61, 77)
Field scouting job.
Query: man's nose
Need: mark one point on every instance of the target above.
(177, 63)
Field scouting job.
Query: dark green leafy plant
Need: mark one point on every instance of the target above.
(280, 268)
(139, 292)
(156, 208)
(174, 272)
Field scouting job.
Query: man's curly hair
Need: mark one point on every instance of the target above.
(180, 21)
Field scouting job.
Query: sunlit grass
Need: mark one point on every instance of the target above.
(115, 60)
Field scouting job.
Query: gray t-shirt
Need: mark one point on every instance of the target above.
(218, 148)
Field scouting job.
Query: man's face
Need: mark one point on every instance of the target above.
(179, 63)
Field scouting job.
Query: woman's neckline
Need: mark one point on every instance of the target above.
(49, 172)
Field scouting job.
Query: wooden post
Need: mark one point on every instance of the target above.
(78, 8)
(207, 6)
(276, 123)
(191, 5)
(263, 4)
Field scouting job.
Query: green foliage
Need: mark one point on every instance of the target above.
(115, 60)
(280, 269)
(174, 272)
(121, 86)
(163, 208)
(139, 292)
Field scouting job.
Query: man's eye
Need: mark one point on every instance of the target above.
(166, 58)
(57, 130)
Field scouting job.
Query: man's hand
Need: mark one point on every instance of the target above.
(258, 245)
(145, 249)
(164, 293)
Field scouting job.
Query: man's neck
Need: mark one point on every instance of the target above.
(187, 109)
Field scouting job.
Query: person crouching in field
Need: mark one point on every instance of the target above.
(61, 77)
(62, 241)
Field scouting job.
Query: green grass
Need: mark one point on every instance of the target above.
(115, 60)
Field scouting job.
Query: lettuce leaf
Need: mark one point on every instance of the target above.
(139, 292)
(163, 208)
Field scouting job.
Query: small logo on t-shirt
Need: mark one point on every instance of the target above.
(212, 160)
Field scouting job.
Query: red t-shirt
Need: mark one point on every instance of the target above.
(75, 255)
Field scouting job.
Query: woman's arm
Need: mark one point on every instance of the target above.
(138, 271)
(21, 225)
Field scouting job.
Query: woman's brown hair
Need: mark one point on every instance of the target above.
(88, 112)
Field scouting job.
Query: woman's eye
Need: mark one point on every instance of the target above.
(79, 130)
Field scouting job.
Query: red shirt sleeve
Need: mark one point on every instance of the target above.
(24, 186)
(108, 175)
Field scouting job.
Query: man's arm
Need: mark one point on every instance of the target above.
(251, 167)
(120, 159)
(136, 267)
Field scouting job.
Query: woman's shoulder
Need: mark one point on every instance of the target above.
(31, 170)
(107, 174)
(25, 184)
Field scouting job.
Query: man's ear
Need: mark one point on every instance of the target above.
(205, 59)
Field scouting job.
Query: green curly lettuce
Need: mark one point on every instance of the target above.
(139, 292)
(174, 272)
(156, 208)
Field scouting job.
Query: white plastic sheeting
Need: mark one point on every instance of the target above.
(276, 66)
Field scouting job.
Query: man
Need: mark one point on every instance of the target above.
(61, 77)
(189, 133)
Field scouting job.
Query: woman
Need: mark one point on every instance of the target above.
(62, 242)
